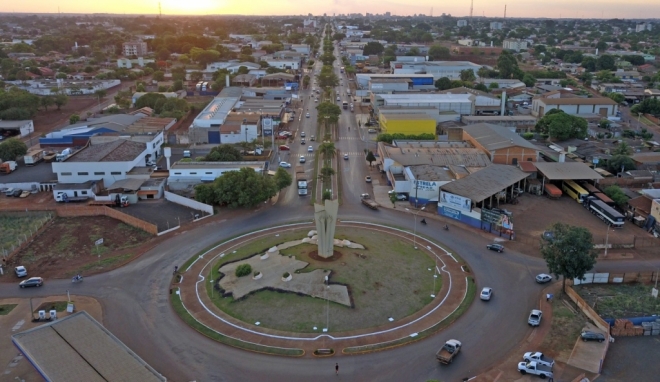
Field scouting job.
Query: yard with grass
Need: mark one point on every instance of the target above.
(620, 300)
(387, 279)
(6, 309)
(15, 227)
(67, 247)
(567, 322)
(59, 306)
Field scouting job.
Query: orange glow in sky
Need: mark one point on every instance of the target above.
(632, 9)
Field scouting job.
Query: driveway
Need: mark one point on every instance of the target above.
(162, 213)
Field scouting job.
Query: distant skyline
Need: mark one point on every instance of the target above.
(608, 9)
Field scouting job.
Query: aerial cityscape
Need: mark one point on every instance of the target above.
(224, 191)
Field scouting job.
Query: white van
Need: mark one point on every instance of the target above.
(186, 153)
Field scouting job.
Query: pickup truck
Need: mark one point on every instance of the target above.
(447, 353)
(535, 368)
(370, 203)
(539, 358)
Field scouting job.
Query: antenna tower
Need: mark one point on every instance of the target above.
(505, 11)
(160, 12)
(471, 9)
(431, 11)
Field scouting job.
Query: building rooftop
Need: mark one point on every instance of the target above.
(258, 166)
(131, 184)
(431, 173)
(408, 117)
(647, 157)
(493, 137)
(74, 186)
(498, 118)
(78, 348)
(13, 124)
(567, 171)
(457, 155)
(426, 98)
(486, 182)
(121, 150)
(578, 101)
(390, 80)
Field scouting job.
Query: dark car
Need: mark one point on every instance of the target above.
(496, 247)
(32, 282)
(17, 192)
(592, 336)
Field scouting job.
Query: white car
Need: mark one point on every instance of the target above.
(302, 134)
(285, 164)
(20, 271)
(310, 149)
(486, 294)
(543, 278)
(307, 115)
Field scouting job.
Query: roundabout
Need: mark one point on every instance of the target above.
(424, 288)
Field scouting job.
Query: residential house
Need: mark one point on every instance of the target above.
(502, 145)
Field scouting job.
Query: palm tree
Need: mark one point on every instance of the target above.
(326, 173)
(328, 150)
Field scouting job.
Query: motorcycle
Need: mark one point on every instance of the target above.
(423, 221)
(446, 227)
(76, 279)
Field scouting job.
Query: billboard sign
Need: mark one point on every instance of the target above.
(451, 213)
(455, 201)
(267, 126)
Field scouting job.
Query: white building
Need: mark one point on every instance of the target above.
(186, 174)
(462, 104)
(206, 126)
(70, 87)
(301, 48)
(641, 27)
(496, 25)
(461, 23)
(131, 62)
(515, 44)
(283, 64)
(23, 128)
(109, 161)
(439, 69)
(135, 48)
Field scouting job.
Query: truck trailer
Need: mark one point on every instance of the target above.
(552, 191)
(33, 157)
(301, 180)
(8, 167)
(604, 212)
(62, 197)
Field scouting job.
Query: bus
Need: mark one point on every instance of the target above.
(574, 191)
(341, 70)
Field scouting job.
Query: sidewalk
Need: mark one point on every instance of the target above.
(308, 341)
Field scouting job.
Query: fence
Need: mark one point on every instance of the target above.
(617, 278)
(191, 203)
(107, 211)
(587, 310)
(27, 239)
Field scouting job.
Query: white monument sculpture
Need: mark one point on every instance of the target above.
(325, 217)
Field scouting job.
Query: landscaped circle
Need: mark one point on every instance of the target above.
(386, 281)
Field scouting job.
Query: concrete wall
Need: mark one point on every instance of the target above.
(188, 202)
(71, 211)
(588, 311)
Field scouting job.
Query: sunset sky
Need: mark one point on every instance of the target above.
(491, 8)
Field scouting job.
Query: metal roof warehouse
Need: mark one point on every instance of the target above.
(79, 348)
(486, 182)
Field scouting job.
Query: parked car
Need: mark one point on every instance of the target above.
(284, 148)
(486, 294)
(588, 335)
(367, 179)
(25, 194)
(372, 131)
(543, 278)
(535, 317)
(17, 192)
(285, 164)
(398, 196)
(20, 271)
(32, 282)
(496, 247)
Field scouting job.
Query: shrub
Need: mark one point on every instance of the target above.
(243, 270)
(528, 135)
(256, 273)
(286, 274)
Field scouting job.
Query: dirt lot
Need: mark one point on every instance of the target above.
(67, 247)
(536, 213)
(45, 121)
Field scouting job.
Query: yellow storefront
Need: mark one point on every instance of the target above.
(408, 124)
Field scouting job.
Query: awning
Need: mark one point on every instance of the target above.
(208, 178)
(147, 192)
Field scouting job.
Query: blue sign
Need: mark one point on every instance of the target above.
(451, 213)
(291, 85)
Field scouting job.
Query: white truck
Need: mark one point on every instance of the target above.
(61, 157)
(535, 368)
(62, 197)
(33, 157)
(539, 358)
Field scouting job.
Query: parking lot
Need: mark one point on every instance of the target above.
(632, 359)
(162, 213)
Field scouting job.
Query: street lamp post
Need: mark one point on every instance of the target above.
(415, 225)
(607, 236)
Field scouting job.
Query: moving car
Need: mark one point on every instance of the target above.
(486, 294)
(302, 134)
(496, 247)
(32, 282)
(20, 271)
(284, 148)
(302, 141)
(285, 164)
(312, 138)
(588, 335)
(302, 159)
(307, 115)
(364, 196)
(372, 131)
(345, 156)
(367, 179)
(310, 149)
(535, 317)
(543, 278)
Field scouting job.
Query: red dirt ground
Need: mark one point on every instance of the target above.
(46, 121)
(67, 247)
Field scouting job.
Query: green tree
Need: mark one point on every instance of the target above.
(60, 100)
(243, 270)
(205, 193)
(392, 198)
(438, 52)
(243, 188)
(570, 254)
(178, 85)
(443, 83)
(601, 46)
(467, 75)
(74, 118)
(529, 80)
(47, 101)
(616, 97)
(282, 178)
(589, 64)
(622, 149)
(507, 64)
(605, 62)
(481, 87)
(562, 126)
(327, 149)
(370, 157)
(620, 163)
(493, 85)
(158, 76)
(615, 193)
(326, 173)
(12, 148)
(373, 47)
(224, 153)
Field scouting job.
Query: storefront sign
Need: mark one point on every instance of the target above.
(455, 201)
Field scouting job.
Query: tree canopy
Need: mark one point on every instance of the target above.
(438, 52)
(12, 148)
(282, 178)
(242, 188)
(570, 253)
(224, 153)
(373, 47)
(17, 104)
(443, 83)
(561, 126)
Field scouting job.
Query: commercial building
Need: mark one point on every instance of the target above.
(206, 126)
(461, 23)
(439, 69)
(484, 103)
(413, 81)
(514, 44)
(429, 111)
(518, 123)
(496, 25)
(597, 106)
(17, 128)
(133, 62)
(462, 104)
(410, 124)
(135, 48)
(642, 27)
(502, 145)
(185, 175)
